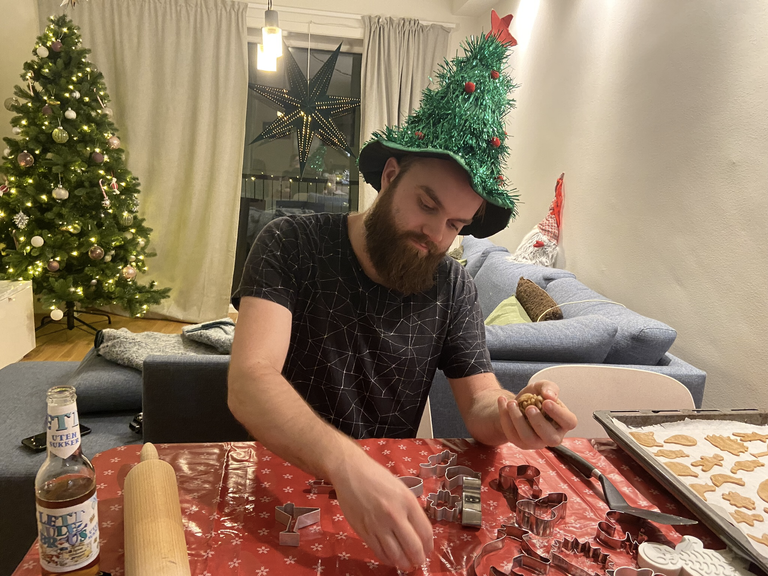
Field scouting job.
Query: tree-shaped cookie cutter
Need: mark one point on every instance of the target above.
(294, 518)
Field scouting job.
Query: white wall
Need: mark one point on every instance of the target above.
(18, 30)
(657, 112)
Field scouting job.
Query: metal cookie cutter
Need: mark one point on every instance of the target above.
(442, 505)
(510, 480)
(414, 484)
(585, 549)
(540, 516)
(455, 475)
(626, 526)
(294, 519)
(471, 503)
(529, 559)
(320, 486)
(437, 464)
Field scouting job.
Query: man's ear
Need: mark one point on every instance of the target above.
(390, 172)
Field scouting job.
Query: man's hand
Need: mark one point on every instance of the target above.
(383, 512)
(532, 430)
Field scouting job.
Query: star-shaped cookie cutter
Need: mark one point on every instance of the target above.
(437, 464)
(294, 518)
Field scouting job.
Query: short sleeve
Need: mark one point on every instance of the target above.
(464, 352)
(272, 267)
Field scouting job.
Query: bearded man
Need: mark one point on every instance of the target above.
(343, 321)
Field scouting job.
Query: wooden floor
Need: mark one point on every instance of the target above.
(55, 342)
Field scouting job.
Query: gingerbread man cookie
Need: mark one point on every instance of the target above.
(708, 462)
(739, 501)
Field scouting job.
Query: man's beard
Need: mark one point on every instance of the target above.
(400, 265)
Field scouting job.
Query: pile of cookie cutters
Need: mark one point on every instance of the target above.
(443, 504)
(536, 515)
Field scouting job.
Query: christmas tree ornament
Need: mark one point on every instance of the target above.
(106, 203)
(60, 193)
(108, 258)
(142, 242)
(42, 51)
(56, 46)
(107, 111)
(16, 130)
(539, 246)
(113, 142)
(11, 102)
(60, 135)
(113, 185)
(4, 187)
(126, 219)
(132, 258)
(75, 228)
(495, 75)
(7, 152)
(46, 110)
(307, 108)
(97, 157)
(37, 241)
(25, 159)
(75, 94)
(127, 234)
(96, 253)
(53, 265)
(456, 118)
(129, 272)
(495, 142)
(94, 282)
(56, 314)
(21, 220)
(70, 114)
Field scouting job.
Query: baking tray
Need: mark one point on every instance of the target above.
(731, 535)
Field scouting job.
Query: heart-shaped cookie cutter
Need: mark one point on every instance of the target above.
(540, 516)
(437, 464)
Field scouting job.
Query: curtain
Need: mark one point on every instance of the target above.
(177, 75)
(399, 56)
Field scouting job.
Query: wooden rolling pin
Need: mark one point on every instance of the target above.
(154, 532)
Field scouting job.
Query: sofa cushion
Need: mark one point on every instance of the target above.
(537, 303)
(510, 311)
(104, 386)
(639, 340)
(582, 339)
(497, 278)
(476, 250)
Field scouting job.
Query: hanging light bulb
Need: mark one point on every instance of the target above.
(265, 61)
(271, 35)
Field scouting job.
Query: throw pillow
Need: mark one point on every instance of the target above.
(508, 312)
(537, 303)
(586, 339)
(104, 386)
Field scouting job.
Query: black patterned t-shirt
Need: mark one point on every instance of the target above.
(361, 355)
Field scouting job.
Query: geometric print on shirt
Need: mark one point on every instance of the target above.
(361, 355)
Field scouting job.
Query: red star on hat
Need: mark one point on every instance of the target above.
(500, 29)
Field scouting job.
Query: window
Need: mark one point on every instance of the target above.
(271, 182)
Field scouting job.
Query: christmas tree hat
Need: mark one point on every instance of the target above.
(69, 205)
(461, 120)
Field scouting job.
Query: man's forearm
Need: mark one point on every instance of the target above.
(271, 410)
(483, 421)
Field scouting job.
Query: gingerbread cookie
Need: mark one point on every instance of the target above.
(751, 436)
(681, 469)
(746, 465)
(750, 519)
(762, 490)
(720, 479)
(763, 539)
(671, 454)
(739, 501)
(681, 439)
(702, 489)
(708, 462)
(646, 439)
(727, 444)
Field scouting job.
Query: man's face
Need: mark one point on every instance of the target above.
(416, 217)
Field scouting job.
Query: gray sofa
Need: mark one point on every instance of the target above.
(593, 332)
(183, 398)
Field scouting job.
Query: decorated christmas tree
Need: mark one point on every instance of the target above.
(68, 205)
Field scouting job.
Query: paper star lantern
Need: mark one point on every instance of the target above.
(307, 108)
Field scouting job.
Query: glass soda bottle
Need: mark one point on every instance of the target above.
(65, 493)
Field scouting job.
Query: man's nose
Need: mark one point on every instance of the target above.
(433, 229)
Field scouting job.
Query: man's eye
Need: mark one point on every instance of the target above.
(426, 207)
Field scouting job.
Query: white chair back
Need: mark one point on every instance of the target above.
(588, 388)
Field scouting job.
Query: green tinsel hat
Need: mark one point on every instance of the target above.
(461, 120)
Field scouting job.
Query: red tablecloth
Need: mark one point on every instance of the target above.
(229, 491)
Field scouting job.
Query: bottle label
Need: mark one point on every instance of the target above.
(63, 430)
(69, 537)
